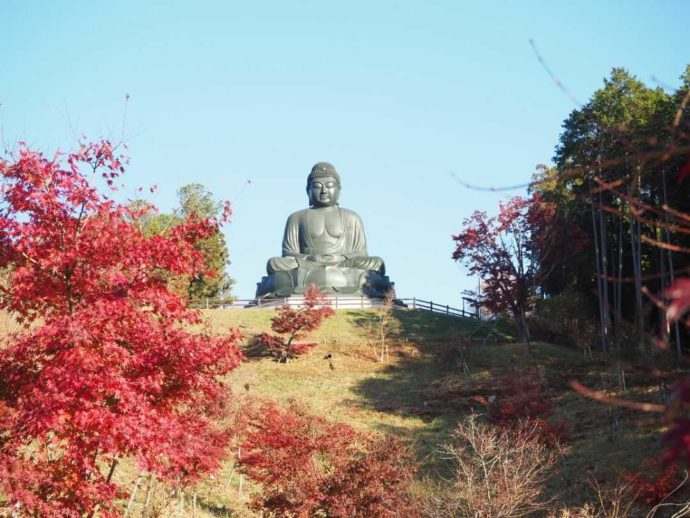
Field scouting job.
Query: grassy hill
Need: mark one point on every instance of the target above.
(439, 370)
(438, 367)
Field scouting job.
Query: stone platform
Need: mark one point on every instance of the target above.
(337, 302)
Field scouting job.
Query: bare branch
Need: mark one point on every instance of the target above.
(613, 401)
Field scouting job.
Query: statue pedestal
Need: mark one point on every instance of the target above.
(337, 302)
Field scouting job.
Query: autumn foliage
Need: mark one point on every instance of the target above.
(655, 482)
(501, 251)
(105, 367)
(308, 466)
(293, 323)
(524, 398)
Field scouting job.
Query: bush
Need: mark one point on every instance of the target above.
(656, 481)
(497, 472)
(294, 324)
(565, 318)
(524, 398)
(308, 466)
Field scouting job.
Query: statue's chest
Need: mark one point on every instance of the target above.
(324, 227)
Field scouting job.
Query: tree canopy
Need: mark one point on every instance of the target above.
(195, 201)
(618, 180)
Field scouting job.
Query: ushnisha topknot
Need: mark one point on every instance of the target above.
(323, 170)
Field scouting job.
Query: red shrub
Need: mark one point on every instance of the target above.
(307, 465)
(656, 483)
(523, 398)
(294, 324)
(677, 439)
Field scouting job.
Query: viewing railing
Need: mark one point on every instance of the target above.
(435, 307)
(342, 302)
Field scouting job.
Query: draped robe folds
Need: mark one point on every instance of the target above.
(300, 250)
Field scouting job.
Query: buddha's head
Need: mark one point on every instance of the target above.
(323, 185)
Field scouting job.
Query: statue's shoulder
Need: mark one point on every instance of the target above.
(350, 215)
(297, 216)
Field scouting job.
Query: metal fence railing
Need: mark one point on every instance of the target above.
(342, 302)
(337, 302)
(435, 307)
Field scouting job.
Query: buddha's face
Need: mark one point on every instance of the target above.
(323, 192)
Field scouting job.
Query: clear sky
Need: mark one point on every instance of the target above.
(397, 95)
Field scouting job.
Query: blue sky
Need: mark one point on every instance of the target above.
(397, 95)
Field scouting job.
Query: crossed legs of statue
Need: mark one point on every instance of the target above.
(293, 274)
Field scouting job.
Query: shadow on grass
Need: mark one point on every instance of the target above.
(405, 388)
(215, 510)
(254, 350)
(431, 350)
(417, 324)
(422, 325)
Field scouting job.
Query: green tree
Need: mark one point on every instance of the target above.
(616, 167)
(194, 198)
(194, 201)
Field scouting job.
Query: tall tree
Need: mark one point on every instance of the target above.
(214, 284)
(612, 163)
(194, 198)
(106, 366)
(195, 201)
(500, 250)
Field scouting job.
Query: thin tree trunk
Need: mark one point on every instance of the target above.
(147, 498)
(669, 255)
(636, 249)
(603, 234)
(663, 282)
(133, 496)
(597, 260)
(107, 481)
(618, 293)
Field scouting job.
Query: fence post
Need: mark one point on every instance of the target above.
(258, 302)
(447, 310)
(414, 302)
(336, 302)
(431, 306)
(361, 300)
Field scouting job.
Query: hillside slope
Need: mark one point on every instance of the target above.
(440, 370)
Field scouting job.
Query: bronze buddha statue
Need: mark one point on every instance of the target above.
(324, 245)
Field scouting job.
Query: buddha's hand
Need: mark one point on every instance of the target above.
(374, 264)
(326, 259)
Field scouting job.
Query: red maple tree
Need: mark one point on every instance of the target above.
(104, 367)
(294, 323)
(501, 251)
(308, 466)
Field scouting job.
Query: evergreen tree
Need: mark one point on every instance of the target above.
(618, 162)
(213, 285)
